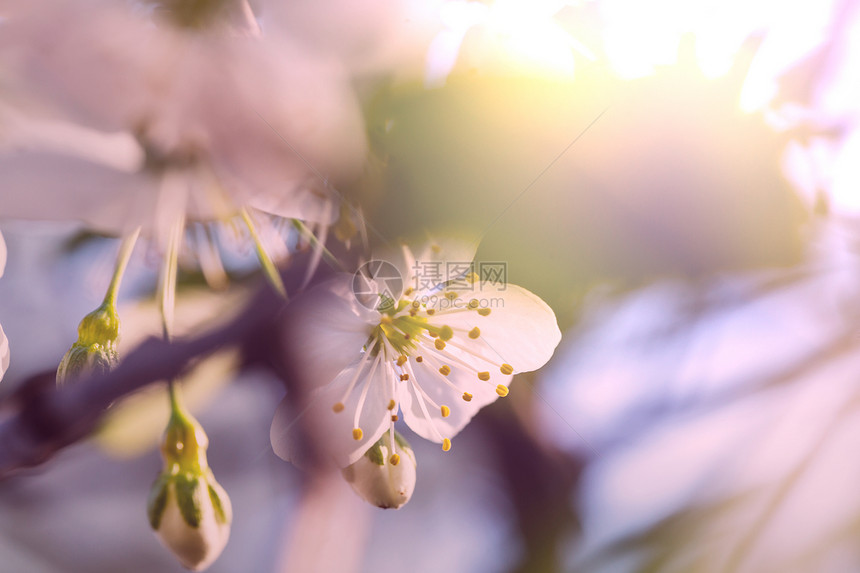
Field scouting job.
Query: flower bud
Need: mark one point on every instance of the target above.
(188, 510)
(95, 350)
(385, 474)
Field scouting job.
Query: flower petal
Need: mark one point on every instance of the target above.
(433, 263)
(520, 329)
(52, 186)
(4, 353)
(325, 329)
(333, 431)
(2, 255)
(461, 411)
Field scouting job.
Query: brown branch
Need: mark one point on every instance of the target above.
(43, 419)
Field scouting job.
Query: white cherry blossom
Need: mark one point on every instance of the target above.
(435, 355)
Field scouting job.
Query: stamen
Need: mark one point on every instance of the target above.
(474, 303)
(446, 411)
(484, 311)
(358, 371)
(420, 394)
(475, 333)
(408, 291)
(446, 445)
(445, 370)
(394, 459)
(357, 434)
(364, 390)
(439, 344)
(506, 369)
(502, 390)
(394, 417)
(419, 359)
(401, 359)
(483, 376)
(391, 404)
(337, 408)
(446, 333)
(431, 311)
(467, 397)
(404, 377)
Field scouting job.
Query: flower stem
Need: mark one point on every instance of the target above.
(316, 244)
(125, 250)
(269, 268)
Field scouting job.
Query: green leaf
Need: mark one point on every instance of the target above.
(157, 501)
(188, 493)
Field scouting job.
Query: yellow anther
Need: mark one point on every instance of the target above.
(406, 336)
(502, 390)
(474, 303)
(439, 344)
(484, 311)
(475, 333)
(446, 411)
(337, 407)
(394, 459)
(507, 369)
(446, 445)
(385, 319)
(401, 360)
(450, 295)
(419, 359)
(445, 333)
(391, 404)
(473, 277)
(408, 291)
(357, 434)
(431, 311)
(433, 334)
(483, 376)
(404, 377)
(416, 304)
(394, 417)
(445, 370)
(467, 397)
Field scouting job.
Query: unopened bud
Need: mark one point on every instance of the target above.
(188, 510)
(385, 474)
(95, 350)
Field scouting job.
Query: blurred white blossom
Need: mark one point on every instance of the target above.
(222, 118)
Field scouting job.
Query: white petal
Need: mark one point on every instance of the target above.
(195, 547)
(50, 186)
(434, 262)
(4, 353)
(521, 330)
(325, 329)
(461, 411)
(333, 431)
(2, 255)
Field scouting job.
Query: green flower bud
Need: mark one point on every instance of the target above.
(188, 510)
(385, 475)
(95, 350)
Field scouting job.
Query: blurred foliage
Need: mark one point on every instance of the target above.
(572, 180)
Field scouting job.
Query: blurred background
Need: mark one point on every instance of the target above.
(679, 180)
